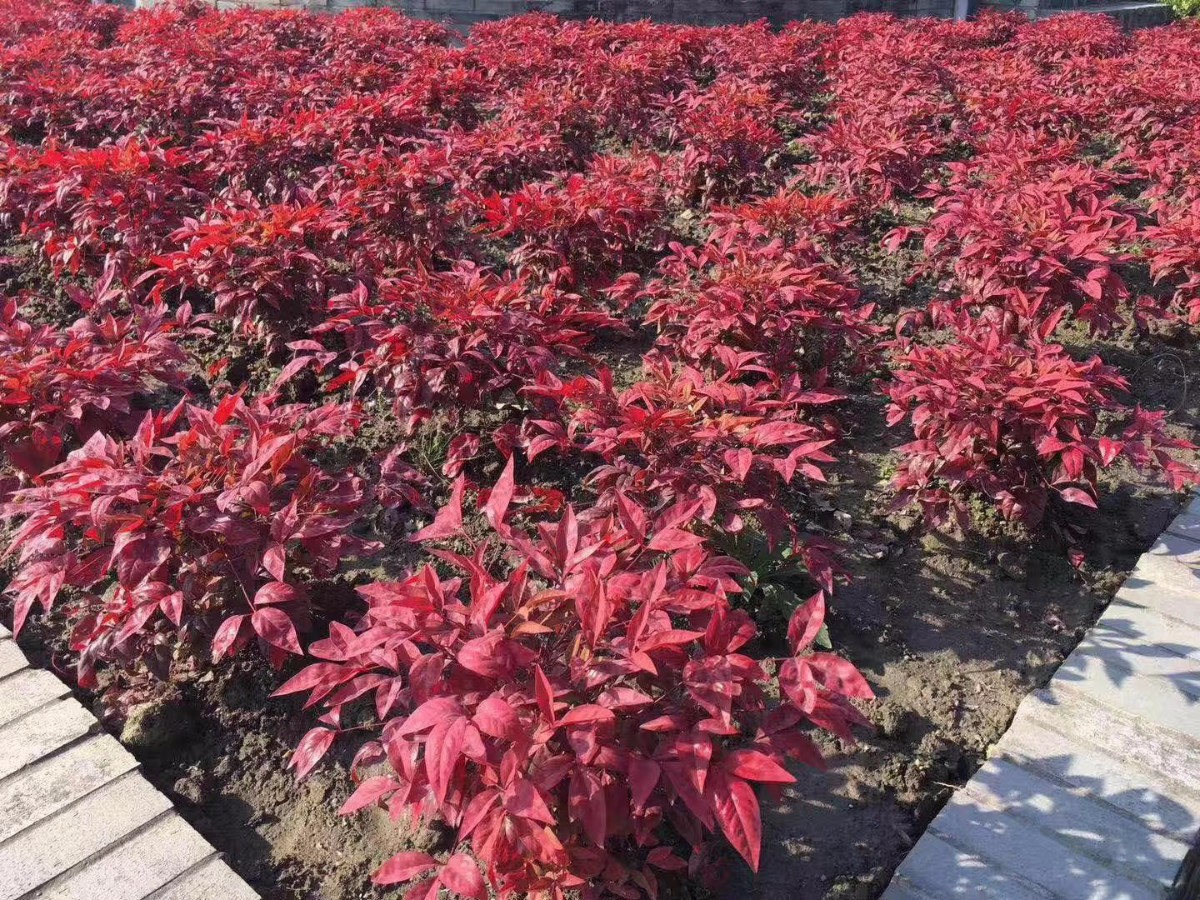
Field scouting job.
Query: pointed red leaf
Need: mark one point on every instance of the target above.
(404, 867)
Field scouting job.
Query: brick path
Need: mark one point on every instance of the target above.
(1094, 791)
(77, 819)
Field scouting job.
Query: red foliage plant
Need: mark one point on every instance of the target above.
(681, 435)
(777, 300)
(1174, 253)
(447, 340)
(1015, 423)
(275, 262)
(587, 228)
(1036, 246)
(111, 207)
(199, 523)
(60, 385)
(572, 717)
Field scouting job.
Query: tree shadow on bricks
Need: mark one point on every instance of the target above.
(1016, 831)
(1129, 657)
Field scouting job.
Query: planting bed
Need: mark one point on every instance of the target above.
(545, 447)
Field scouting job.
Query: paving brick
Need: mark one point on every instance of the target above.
(1193, 508)
(45, 788)
(4, 632)
(1116, 658)
(1147, 624)
(11, 658)
(1121, 734)
(72, 836)
(1154, 799)
(1167, 701)
(1187, 526)
(26, 691)
(1010, 844)
(135, 868)
(209, 880)
(1173, 563)
(1180, 606)
(943, 870)
(40, 733)
(1077, 820)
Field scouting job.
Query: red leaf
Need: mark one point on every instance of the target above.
(736, 809)
(275, 592)
(226, 637)
(643, 779)
(309, 751)
(443, 750)
(369, 792)
(429, 713)
(806, 622)
(754, 766)
(275, 561)
(587, 714)
(674, 539)
(496, 717)
(405, 867)
(497, 505)
(523, 799)
(276, 628)
(545, 694)
(839, 675)
(448, 521)
(461, 875)
(1076, 495)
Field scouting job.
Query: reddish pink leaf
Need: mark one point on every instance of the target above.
(225, 640)
(448, 521)
(736, 809)
(461, 875)
(314, 745)
(405, 867)
(497, 505)
(368, 793)
(275, 627)
(806, 622)
(755, 766)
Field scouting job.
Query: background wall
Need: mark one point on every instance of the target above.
(696, 12)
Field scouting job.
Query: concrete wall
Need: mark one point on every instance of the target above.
(694, 12)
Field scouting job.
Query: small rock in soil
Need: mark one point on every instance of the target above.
(156, 725)
(1011, 565)
(190, 789)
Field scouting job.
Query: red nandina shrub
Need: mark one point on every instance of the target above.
(728, 446)
(1017, 424)
(792, 216)
(397, 207)
(586, 229)
(1073, 36)
(1036, 247)
(1174, 253)
(452, 340)
(571, 715)
(263, 267)
(112, 207)
(198, 526)
(62, 385)
(727, 132)
(776, 300)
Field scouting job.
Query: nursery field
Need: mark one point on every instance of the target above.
(614, 458)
